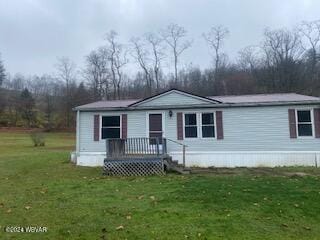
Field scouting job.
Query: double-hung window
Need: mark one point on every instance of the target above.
(304, 123)
(207, 125)
(190, 125)
(199, 125)
(110, 127)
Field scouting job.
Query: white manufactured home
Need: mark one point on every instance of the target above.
(221, 131)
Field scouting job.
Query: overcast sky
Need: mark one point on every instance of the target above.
(33, 33)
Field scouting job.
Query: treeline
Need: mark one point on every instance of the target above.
(287, 60)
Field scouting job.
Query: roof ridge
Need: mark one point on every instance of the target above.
(255, 94)
(115, 100)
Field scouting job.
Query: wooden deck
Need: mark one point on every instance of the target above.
(139, 157)
(135, 156)
(136, 147)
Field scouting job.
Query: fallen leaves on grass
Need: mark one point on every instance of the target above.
(119, 227)
(27, 207)
(9, 210)
(153, 198)
(128, 217)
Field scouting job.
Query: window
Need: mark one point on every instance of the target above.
(110, 127)
(207, 125)
(304, 123)
(190, 125)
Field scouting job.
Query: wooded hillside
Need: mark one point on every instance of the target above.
(287, 60)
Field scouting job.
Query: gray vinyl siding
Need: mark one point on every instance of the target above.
(173, 98)
(245, 129)
(136, 128)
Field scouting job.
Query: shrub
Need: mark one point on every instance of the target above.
(38, 139)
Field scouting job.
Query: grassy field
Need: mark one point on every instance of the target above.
(39, 187)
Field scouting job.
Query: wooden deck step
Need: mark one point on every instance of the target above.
(180, 170)
(174, 165)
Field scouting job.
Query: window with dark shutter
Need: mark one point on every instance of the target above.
(304, 123)
(179, 126)
(96, 127)
(292, 123)
(110, 127)
(190, 125)
(207, 125)
(219, 123)
(316, 113)
(124, 125)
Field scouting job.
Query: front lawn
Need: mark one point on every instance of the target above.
(39, 187)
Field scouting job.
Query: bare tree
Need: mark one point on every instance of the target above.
(215, 39)
(2, 72)
(97, 73)
(282, 50)
(157, 47)
(141, 55)
(174, 36)
(66, 72)
(248, 58)
(310, 32)
(117, 59)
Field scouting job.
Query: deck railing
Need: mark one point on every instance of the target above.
(183, 150)
(129, 147)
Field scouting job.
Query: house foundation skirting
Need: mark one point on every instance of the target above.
(90, 159)
(249, 158)
(223, 159)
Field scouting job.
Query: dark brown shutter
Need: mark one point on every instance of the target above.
(124, 127)
(292, 123)
(219, 125)
(316, 113)
(96, 128)
(179, 126)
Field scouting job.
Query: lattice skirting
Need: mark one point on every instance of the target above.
(133, 167)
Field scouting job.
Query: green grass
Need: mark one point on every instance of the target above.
(80, 203)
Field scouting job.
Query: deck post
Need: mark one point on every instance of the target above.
(157, 144)
(164, 146)
(107, 148)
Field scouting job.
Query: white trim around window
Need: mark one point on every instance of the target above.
(199, 125)
(312, 122)
(100, 127)
(214, 125)
(184, 125)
